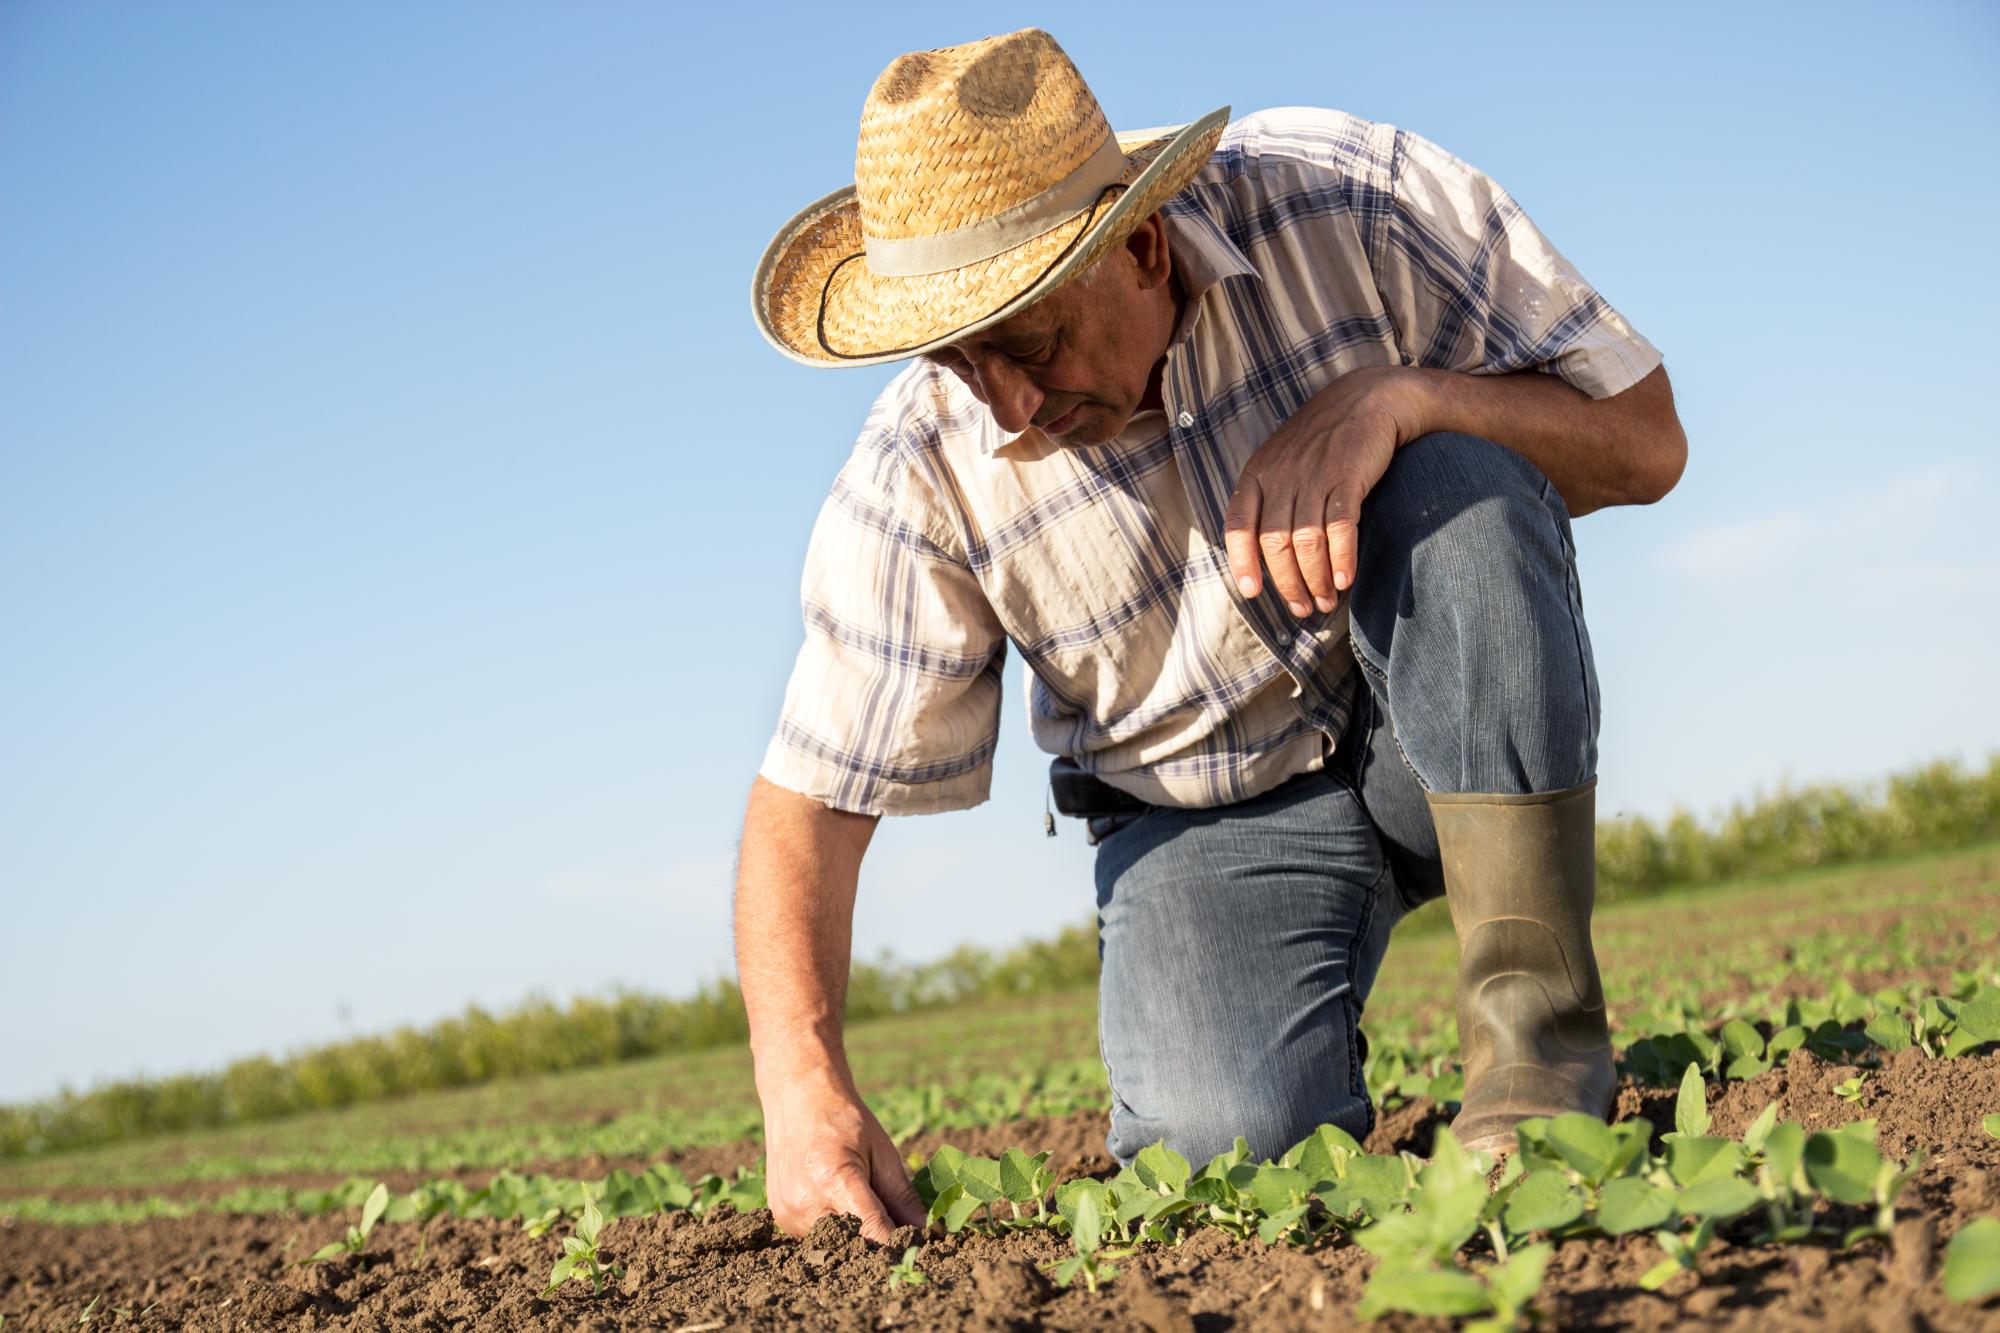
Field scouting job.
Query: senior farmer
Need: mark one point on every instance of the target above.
(1259, 441)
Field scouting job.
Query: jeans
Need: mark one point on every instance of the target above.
(1239, 943)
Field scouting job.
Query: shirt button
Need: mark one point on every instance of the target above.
(1186, 419)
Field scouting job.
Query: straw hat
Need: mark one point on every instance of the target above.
(986, 176)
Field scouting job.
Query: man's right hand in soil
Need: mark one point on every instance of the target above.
(825, 1152)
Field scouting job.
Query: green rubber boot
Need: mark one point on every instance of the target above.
(1520, 876)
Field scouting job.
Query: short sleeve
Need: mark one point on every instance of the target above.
(1474, 286)
(894, 702)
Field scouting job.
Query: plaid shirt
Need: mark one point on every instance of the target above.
(1312, 243)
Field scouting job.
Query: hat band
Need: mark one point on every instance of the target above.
(915, 256)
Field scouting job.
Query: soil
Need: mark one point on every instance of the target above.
(730, 1271)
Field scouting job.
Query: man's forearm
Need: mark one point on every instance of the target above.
(795, 883)
(1626, 449)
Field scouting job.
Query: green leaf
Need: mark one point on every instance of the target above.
(1543, 1201)
(1690, 1161)
(1660, 1274)
(1843, 1166)
(1785, 1040)
(1991, 1124)
(1981, 1018)
(576, 1245)
(1514, 1283)
(592, 1220)
(1323, 1153)
(1720, 1198)
(1064, 1271)
(559, 1275)
(942, 1201)
(670, 1187)
(981, 1178)
(1631, 1204)
(1691, 1107)
(1889, 1031)
(1960, 1043)
(1747, 1066)
(1021, 1176)
(1441, 1292)
(328, 1250)
(1275, 1226)
(1087, 1230)
(1374, 1184)
(1785, 1154)
(1160, 1166)
(371, 1211)
(1450, 1196)
(1532, 1134)
(944, 1166)
(1739, 1039)
(1586, 1143)
(1760, 1128)
(1277, 1188)
(1972, 1261)
(960, 1210)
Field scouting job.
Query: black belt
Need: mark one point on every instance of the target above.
(1086, 796)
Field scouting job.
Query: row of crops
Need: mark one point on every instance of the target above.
(1803, 1068)
(1452, 1237)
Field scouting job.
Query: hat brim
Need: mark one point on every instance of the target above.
(817, 301)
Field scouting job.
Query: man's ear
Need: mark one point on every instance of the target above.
(1148, 247)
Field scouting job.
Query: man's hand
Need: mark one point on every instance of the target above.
(1298, 500)
(825, 1152)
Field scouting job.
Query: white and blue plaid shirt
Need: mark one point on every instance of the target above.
(1312, 243)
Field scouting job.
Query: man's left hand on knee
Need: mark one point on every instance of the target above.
(1297, 502)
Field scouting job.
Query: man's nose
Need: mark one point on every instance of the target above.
(1010, 395)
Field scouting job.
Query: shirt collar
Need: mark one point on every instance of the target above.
(1203, 256)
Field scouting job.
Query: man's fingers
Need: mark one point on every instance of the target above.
(1239, 537)
(1343, 538)
(1309, 549)
(1277, 547)
(892, 1183)
(851, 1194)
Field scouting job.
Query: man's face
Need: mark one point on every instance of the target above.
(1077, 363)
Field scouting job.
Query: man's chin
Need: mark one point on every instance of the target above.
(1094, 425)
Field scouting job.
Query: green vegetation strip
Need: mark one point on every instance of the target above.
(1843, 1027)
(1942, 805)
(1451, 1239)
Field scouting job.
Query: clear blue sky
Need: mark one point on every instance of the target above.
(401, 519)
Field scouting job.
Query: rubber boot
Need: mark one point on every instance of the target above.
(1520, 876)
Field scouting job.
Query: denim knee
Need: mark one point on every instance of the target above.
(1467, 616)
(1202, 1117)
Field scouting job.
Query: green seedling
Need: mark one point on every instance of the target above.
(1849, 1091)
(1683, 1255)
(357, 1237)
(1691, 1116)
(1972, 1261)
(86, 1316)
(955, 1186)
(1419, 1273)
(579, 1259)
(1991, 1124)
(422, 1206)
(1087, 1234)
(906, 1273)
